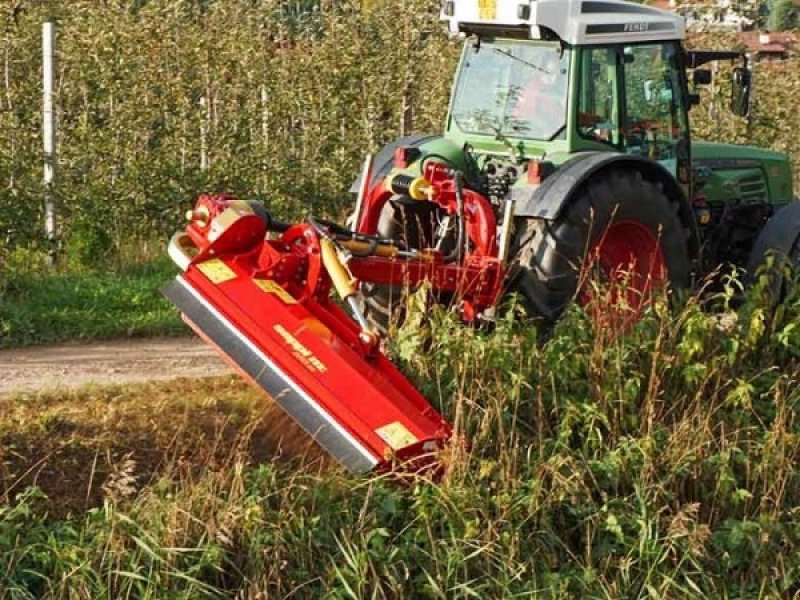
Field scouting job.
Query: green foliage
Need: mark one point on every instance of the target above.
(661, 462)
(160, 100)
(84, 304)
(279, 101)
(782, 16)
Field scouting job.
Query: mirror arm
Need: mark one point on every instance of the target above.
(698, 58)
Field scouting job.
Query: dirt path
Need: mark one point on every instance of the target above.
(109, 362)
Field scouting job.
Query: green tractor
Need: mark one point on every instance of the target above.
(572, 118)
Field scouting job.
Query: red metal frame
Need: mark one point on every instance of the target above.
(481, 225)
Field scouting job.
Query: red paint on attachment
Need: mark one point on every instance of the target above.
(275, 294)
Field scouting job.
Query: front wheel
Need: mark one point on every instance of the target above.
(776, 252)
(619, 224)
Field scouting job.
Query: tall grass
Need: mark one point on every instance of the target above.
(661, 463)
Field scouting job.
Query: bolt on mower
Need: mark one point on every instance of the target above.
(567, 140)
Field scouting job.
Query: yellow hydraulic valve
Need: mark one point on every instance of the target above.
(417, 188)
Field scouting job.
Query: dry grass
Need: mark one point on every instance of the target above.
(81, 446)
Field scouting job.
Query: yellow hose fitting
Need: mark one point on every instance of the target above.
(340, 277)
(420, 189)
(417, 188)
(428, 255)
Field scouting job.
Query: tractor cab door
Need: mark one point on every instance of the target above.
(633, 98)
(653, 95)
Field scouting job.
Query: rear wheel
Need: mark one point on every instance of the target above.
(620, 226)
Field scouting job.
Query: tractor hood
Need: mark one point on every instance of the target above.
(736, 166)
(718, 151)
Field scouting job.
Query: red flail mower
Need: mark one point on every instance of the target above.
(260, 292)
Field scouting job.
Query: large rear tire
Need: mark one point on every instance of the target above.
(618, 219)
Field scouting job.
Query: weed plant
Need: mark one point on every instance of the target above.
(658, 462)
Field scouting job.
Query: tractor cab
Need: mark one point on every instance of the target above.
(554, 77)
(548, 78)
(540, 98)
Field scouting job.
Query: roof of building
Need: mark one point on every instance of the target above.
(767, 42)
(661, 4)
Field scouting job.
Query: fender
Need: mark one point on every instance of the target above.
(549, 199)
(382, 163)
(779, 236)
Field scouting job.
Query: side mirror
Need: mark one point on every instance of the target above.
(702, 76)
(740, 92)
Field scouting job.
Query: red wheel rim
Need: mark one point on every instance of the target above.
(630, 265)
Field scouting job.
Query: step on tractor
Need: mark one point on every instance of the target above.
(566, 145)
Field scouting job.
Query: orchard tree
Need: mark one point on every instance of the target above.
(783, 16)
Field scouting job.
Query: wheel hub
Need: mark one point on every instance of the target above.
(621, 273)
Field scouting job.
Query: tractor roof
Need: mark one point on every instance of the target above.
(576, 22)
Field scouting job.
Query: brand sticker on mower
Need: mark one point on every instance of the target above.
(396, 435)
(300, 352)
(273, 287)
(216, 271)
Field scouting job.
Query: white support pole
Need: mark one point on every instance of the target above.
(49, 132)
(204, 122)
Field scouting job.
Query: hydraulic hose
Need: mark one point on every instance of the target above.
(457, 254)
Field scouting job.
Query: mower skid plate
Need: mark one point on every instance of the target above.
(360, 410)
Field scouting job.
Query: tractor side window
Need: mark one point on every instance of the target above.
(654, 120)
(597, 103)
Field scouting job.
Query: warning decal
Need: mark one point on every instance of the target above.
(216, 271)
(273, 287)
(396, 435)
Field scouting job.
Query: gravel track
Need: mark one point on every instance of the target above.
(108, 362)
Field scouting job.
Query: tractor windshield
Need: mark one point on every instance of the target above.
(508, 88)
